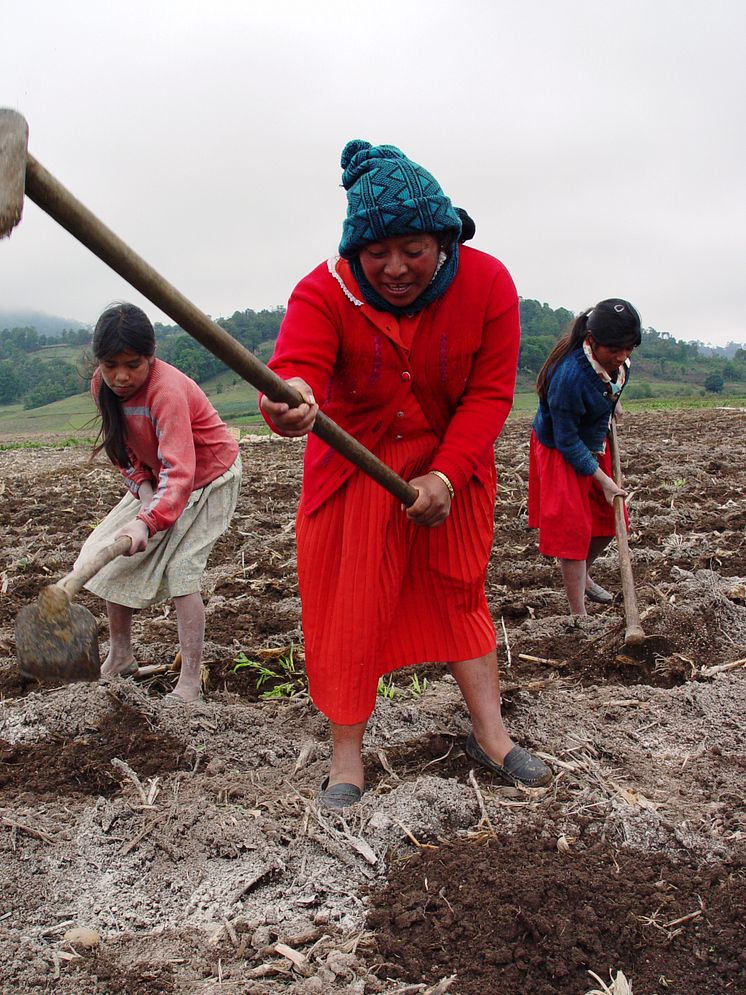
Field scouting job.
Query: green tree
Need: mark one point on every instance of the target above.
(43, 394)
(80, 336)
(714, 383)
(11, 385)
(533, 353)
(21, 339)
(732, 371)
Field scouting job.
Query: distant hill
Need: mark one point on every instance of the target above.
(41, 354)
(45, 324)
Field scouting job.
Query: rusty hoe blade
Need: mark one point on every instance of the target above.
(56, 640)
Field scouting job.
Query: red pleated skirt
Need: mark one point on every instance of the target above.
(379, 593)
(567, 508)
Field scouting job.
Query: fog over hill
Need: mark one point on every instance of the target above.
(45, 324)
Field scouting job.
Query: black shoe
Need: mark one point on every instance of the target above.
(598, 594)
(339, 796)
(518, 767)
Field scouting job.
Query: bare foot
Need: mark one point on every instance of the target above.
(184, 693)
(118, 668)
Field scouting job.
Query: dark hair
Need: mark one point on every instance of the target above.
(468, 227)
(121, 328)
(612, 322)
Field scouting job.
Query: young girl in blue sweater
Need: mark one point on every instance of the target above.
(570, 489)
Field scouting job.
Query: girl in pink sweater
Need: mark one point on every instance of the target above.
(160, 430)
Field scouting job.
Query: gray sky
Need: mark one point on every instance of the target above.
(598, 146)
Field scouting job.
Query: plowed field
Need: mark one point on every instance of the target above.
(189, 841)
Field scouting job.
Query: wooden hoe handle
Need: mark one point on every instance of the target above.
(633, 635)
(73, 582)
(59, 203)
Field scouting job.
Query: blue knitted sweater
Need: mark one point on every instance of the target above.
(574, 418)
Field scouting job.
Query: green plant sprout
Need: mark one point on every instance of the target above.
(415, 689)
(287, 680)
(386, 687)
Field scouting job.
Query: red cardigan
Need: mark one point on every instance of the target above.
(461, 367)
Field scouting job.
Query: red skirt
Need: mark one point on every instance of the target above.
(379, 592)
(567, 508)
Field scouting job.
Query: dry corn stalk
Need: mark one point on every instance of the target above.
(619, 985)
(721, 668)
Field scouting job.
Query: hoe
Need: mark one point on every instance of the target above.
(68, 650)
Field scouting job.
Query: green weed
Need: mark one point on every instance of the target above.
(282, 673)
(386, 688)
(415, 689)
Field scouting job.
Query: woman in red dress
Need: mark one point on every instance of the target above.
(409, 341)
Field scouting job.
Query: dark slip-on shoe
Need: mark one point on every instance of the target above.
(519, 766)
(339, 796)
(598, 594)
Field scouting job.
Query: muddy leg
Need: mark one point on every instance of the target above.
(479, 680)
(120, 639)
(190, 618)
(347, 755)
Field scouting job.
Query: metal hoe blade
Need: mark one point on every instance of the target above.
(64, 648)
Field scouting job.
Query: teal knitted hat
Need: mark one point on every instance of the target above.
(387, 195)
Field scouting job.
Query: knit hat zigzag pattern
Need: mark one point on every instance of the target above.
(389, 195)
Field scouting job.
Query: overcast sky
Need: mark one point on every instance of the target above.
(598, 146)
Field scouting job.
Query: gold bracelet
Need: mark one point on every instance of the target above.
(446, 481)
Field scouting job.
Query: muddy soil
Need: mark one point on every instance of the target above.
(189, 842)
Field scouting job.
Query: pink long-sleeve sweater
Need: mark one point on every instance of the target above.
(175, 440)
